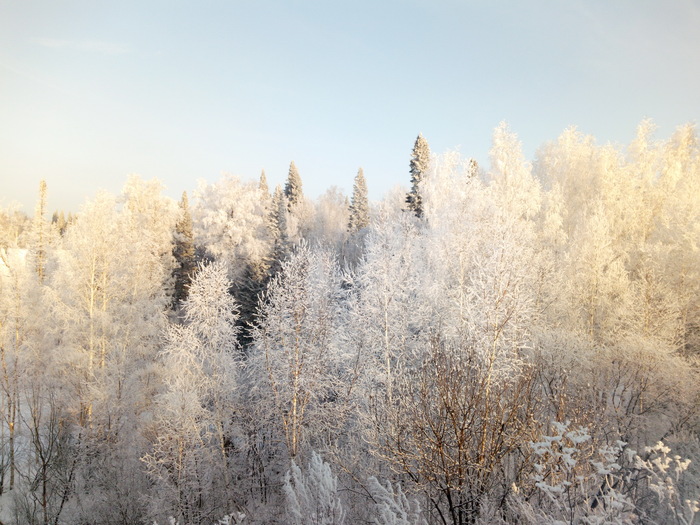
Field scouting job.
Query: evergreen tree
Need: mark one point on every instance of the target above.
(184, 252)
(292, 189)
(59, 222)
(40, 235)
(359, 206)
(420, 161)
(473, 169)
(263, 187)
(277, 224)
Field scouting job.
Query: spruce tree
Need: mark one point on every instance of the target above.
(420, 161)
(59, 222)
(277, 224)
(184, 253)
(473, 168)
(263, 187)
(359, 205)
(40, 235)
(292, 189)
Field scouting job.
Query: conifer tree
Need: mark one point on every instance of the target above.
(277, 224)
(420, 161)
(59, 222)
(473, 169)
(292, 189)
(359, 206)
(40, 235)
(184, 252)
(263, 187)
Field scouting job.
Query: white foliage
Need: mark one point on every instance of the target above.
(392, 506)
(296, 348)
(312, 496)
(330, 219)
(388, 312)
(230, 221)
(665, 473)
(578, 482)
(189, 461)
(483, 254)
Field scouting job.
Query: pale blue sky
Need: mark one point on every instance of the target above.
(92, 91)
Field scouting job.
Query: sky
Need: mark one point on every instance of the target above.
(94, 91)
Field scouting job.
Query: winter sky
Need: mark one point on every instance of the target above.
(92, 91)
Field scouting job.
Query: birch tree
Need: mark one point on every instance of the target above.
(295, 348)
(190, 457)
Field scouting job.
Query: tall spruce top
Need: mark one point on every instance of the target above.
(420, 161)
(263, 187)
(292, 189)
(184, 253)
(359, 205)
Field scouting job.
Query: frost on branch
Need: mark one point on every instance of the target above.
(664, 474)
(392, 507)
(312, 497)
(574, 482)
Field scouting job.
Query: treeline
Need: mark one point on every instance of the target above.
(515, 344)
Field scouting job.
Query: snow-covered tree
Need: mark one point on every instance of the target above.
(292, 188)
(189, 460)
(183, 252)
(108, 293)
(420, 162)
(359, 204)
(312, 496)
(13, 225)
(263, 187)
(295, 348)
(392, 505)
(229, 221)
(41, 237)
(453, 431)
(387, 317)
(330, 219)
(18, 293)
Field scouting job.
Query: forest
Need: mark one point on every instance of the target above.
(501, 344)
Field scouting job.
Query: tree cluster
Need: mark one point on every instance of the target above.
(516, 344)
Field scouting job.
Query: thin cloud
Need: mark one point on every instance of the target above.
(90, 46)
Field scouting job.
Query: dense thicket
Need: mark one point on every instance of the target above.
(517, 344)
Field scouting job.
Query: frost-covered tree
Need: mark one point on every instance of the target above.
(108, 293)
(263, 187)
(13, 225)
(292, 188)
(313, 497)
(387, 315)
(454, 431)
(190, 456)
(385, 331)
(420, 162)
(40, 236)
(295, 347)
(359, 204)
(229, 221)
(183, 252)
(148, 220)
(88, 283)
(330, 219)
(392, 505)
(18, 293)
(278, 220)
